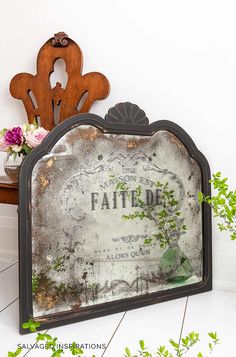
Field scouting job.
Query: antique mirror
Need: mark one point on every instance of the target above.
(109, 218)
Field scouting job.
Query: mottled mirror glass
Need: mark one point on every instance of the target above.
(113, 217)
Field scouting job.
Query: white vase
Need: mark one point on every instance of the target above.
(12, 166)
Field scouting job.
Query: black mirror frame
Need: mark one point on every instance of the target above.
(112, 125)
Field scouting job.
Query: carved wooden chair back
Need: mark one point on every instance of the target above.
(50, 106)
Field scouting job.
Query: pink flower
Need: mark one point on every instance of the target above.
(36, 137)
(3, 144)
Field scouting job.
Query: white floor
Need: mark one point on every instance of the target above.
(156, 324)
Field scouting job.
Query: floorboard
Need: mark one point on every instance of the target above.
(212, 311)
(154, 324)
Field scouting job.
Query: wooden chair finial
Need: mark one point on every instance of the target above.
(60, 39)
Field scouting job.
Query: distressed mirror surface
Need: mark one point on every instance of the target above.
(113, 219)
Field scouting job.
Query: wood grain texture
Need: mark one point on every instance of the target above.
(42, 102)
(94, 84)
(8, 191)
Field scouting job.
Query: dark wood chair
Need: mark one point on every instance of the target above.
(50, 106)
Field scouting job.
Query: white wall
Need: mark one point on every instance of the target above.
(175, 59)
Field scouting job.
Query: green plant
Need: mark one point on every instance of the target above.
(16, 353)
(31, 325)
(35, 281)
(38, 278)
(75, 351)
(51, 344)
(174, 266)
(167, 219)
(223, 204)
(178, 349)
(58, 264)
(45, 290)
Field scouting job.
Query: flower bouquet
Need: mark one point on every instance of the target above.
(18, 142)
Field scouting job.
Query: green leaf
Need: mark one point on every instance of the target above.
(142, 345)
(147, 240)
(162, 349)
(200, 197)
(35, 123)
(3, 132)
(128, 353)
(174, 344)
(26, 149)
(185, 341)
(31, 325)
(213, 336)
(18, 351)
(40, 337)
(57, 353)
(75, 350)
